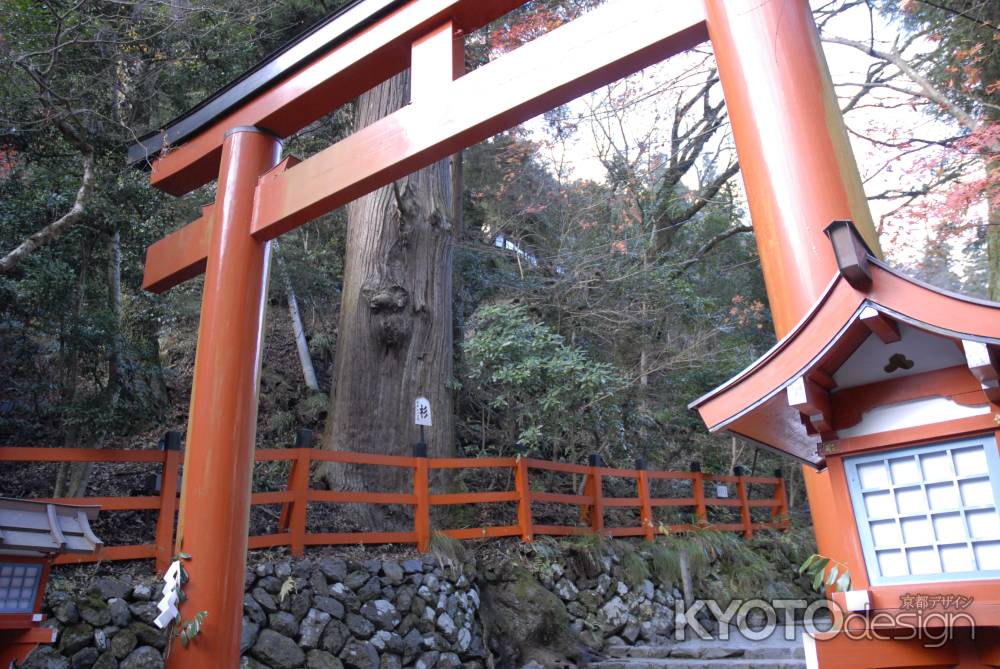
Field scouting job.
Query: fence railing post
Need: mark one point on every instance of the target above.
(523, 487)
(741, 492)
(170, 444)
(698, 493)
(645, 508)
(595, 490)
(299, 483)
(779, 512)
(303, 439)
(421, 493)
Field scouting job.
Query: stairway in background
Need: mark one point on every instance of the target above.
(735, 653)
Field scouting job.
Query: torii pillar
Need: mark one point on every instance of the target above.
(218, 460)
(798, 169)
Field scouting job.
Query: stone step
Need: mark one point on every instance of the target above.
(790, 650)
(681, 663)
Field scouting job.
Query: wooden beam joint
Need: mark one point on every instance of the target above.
(851, 253)
(813, 402)
(984, 363)
(881, 325)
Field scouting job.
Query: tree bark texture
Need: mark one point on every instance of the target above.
(394, 341)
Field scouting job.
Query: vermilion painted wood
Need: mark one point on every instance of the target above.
(267, 541)
(618, 473)
(107, 503)
(741, 493)
(673, 501)
(17, 621)
(474, 498)
(17, 644)
(472, 463)
(299, 483)
(180, 255)
(720, 478)
(595, 512)
(726, 527)
(109, 554)
(698, 492)
(779, 512)
(691, 476)
(218, 461)
(622, 502)
(168, 509)
(363, 458)
(716, 501)
(341, 538)
(422, 508)
(560, 498)
(361, 63)
(564, 467)
(646, 508)
(279, 497)
(523, 486)
(916, 436)
(798, 167)
(848, 408)
(35, 454)
(594, 50)
(562, 530)
(360, 497)
(275, 454)
(483, 532)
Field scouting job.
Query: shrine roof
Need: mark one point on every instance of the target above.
(321, 37)
(327, 35)
(32, 528)
(754, 404)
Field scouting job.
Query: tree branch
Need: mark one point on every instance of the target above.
(927, 89)
(54, 229)
(707, 247)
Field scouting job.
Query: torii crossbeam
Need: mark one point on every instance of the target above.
(797, 166)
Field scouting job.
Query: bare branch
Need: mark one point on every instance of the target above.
(927, 89)
(57, 227)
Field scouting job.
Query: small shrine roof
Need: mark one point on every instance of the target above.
(833, 348)
(33, 528)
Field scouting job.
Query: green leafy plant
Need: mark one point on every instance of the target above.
(192, 628)
(828, 575)
(187, 630)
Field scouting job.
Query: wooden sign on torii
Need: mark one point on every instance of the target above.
(797, 167)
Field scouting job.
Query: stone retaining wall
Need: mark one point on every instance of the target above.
(544, 603)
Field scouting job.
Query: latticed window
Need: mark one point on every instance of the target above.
(18, 587)
(929, 513)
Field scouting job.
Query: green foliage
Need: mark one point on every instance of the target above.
(635, 568)
(743, 569)
(826, 574)
(192, 628)
(539, 390)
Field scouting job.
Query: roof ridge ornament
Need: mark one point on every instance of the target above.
(852, 254)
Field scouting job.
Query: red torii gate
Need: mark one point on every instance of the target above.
(797, 165)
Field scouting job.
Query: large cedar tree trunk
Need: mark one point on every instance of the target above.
(394, 341)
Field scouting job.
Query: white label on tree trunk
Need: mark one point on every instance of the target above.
(422, 411)
(722, 491)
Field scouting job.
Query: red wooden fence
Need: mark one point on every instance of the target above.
(298, 495)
